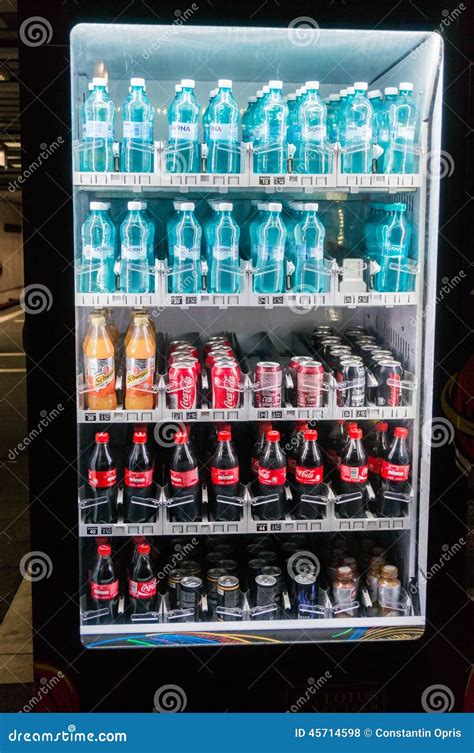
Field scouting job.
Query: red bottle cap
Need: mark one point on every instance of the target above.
(139, 437)
(382, 426)
(273, 436)
(300, 425)
(102, 437)
(104, 550)
(143, 548)
(180, 437)
(224, 435)
(400, 432)
(355, 433)
(310, 434)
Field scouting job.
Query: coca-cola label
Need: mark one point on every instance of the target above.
(309, 475)
(138, 479)
(272, 476)
(225, 476)
(104, 591)
(395, 392)
(102, 479)
(392, 472)
(374, 464)
(183, 479)
(354, 474)
(142, 589)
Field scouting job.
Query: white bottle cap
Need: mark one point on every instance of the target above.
(90, 85)
(177, 204)
(361, 85)
(255, 202)
(291, 97)
(224, 83)
(374, 93)
(259, 94)
(297, 205)
(350, 90)
(99, 81)
(274, 206)
(310, 206)
(137, 82)
(303, 90)
(104, 205)
(390, 90)
(131, 205)
(312, 84)
(178, 88)
(343, 92)
(187, 83)
(265, 89)
(262, 206)
(225, 206)
(252, 100)
(334, 98)
(406, 86)
(213, 93)
(187, 206)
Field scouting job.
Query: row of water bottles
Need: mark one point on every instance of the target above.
(388, 244)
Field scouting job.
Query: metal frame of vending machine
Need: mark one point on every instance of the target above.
(405, 321)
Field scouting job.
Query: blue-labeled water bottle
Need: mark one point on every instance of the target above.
(294, 216)
(206, 116)
(223, 140)
(137, 117)
(271, 143)
(135, 249)
(310, 154)
(254, 224)
(309, 234)
(401, 152)
(98, 238)
(384, 119)
(269, 270)
(224, 263)
(182, 154)
(185, 252)
(332, 122)
(356, 131)
(98, 129)
(394, 238)
(247, 120)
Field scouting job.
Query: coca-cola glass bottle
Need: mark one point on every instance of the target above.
(104, 586)
(185, 486)
(138, 482)
(101, 483)
(224, 486)
(394, 473)
(353, 474)
(292, 450)
(309, 476)
(377, 450)
(142, 582)
(259, 444)
(271, 480)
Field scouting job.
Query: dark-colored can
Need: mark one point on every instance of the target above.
(277, 573)
(265, 594)
(212, 558)
(191, 567)
(268, 375)
(305, 592)
(230, 566)
(335, 355)
(351, 376)
(309, 385)
(269, 556)
(212, 577)
(255, 567)
(255, 548)
(174, 586)
(389, 374)
(228, 595)
(225, 550)
(191, 596)
(327, 343)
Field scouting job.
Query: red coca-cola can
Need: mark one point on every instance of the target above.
(309, 385)
(176, 344)
(225, 382)
(182, 357)
(187, 348)
(268, 375)
(215, 341)
(214, 355)
(182, 380)
(294, 363)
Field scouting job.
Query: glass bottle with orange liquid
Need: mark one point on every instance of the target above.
(140, 350)
(99, 366)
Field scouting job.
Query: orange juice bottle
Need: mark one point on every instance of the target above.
(140, 365)
(112, 329)
(99, 366)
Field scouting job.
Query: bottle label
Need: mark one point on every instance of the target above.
(374, 464)
(225, 476)
(183, 131)
(138, 479)
(314, 132)
(394, 397)
(272, 476)
(100, 374)
(344, 596)
(383, 134)
(358, 133)
(97, 252)
(373, 587)
(183, 253)
(104, 591)
(223, 132)
(309, 475)
(354, 475)
(142, 589)
(405, 132)
(183, 479)
(140, 371)
(134, 253)
(100, 129)
(225, 253)
(138, 131)
(392, 472)
(102, 479)
(310, 253)
(271, 253)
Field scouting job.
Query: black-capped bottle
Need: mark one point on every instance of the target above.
(377, 451)
(335, 444)
(292, 450)
(184, 481)
(101, 483)
(258, 446)
(104, 586)
(224, 483)
(271, 480)
(309, 479)
(353, 475)
(394, 473)
(138, 482)
(142, 582)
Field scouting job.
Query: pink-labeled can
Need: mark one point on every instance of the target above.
(187, 348)
(309, 385)
(182, 357)
(268, 375)
(182, 381)
(225, 383)
(293, 365)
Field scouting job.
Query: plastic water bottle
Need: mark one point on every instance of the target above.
(262, 208)
(170, 225)
(310, 156)
(292, 117)
(309, 241)
(271, 146)
(294, 216)
(376, 213)
(357, 132)
(135, 249)
(401, 154)
(332, 122)
(207, 227)
(183, 124)
(247, 120)
(384, 118)
(223, 139)
(224, 264)
(98, 129)
(269, 273)
(393, 237)
(185, 252)
(98, 250)
(206, 116)
(137, 115)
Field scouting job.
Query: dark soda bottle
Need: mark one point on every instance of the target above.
(394, 473)
(271, 479)
(353, 474)
(309, 476)
(142, 582)
(101, 483)
(138, 482)
(224, 478)
(292, 450)
(184, 481)
(335, 444)
(104, 586)
(258, 446)
(377, 450)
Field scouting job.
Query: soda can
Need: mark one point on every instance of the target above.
(225, 550)
(182, 380)
(179, 357)
(265, 594)
(389, 394)
(327, 343)
(230, 566)
(268, 375)
(309, 385)
(277, 573)
(351, 374)
(176, 344)
(305, 592)
(191, 596)
(228, 595)
(212, 577)
(225, 383)
(191, 567)
(212, 558)
(269, 556)
(336, 354)
(216, 340)
(174, 585)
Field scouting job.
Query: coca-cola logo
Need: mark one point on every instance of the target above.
(230, 384)
(307, 473)
(148, 588)
(186, 386)
(265, 473)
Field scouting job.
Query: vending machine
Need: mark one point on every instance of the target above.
(255, 224)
